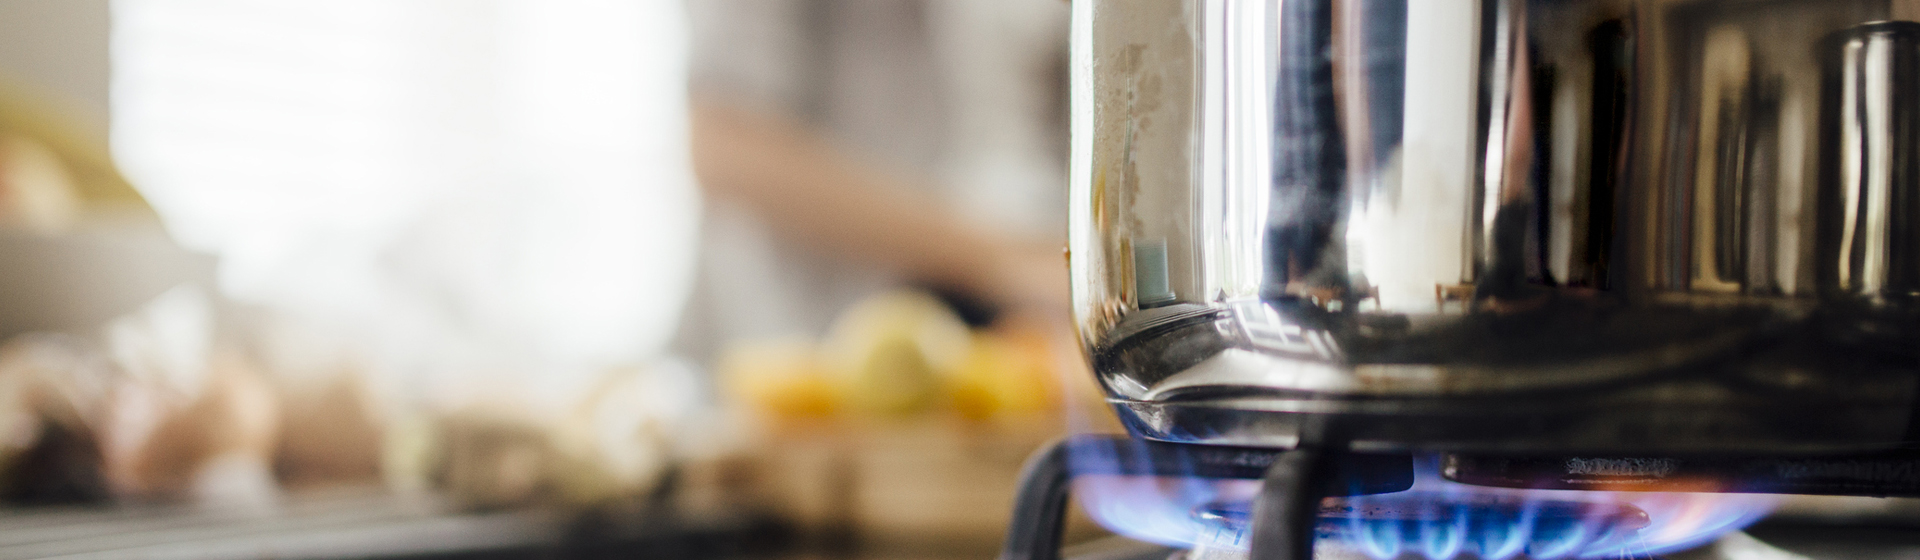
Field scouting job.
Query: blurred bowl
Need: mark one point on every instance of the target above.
(77, 282)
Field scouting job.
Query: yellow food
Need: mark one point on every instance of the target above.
(893, 353)
(783, 378)
(1005, 374)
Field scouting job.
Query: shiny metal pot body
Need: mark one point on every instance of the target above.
(1648, 225)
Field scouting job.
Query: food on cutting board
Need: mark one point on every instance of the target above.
(1008, 372)
(331, 431)
(616, 446)
(190, 416)
(51, 388)
(215, 444)
(156, 410)
(491, 457)
(160, 409)
(784, 377)
(893, 352)
(164, 412)
(897, 354)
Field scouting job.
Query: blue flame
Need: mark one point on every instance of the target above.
(1441, 526)
(1161, 509)
(1437, 519)
(1546, 526)
(1444, 539)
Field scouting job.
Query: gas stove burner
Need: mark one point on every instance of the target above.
(1330, 501)
(1439, 526)
(1878, 474)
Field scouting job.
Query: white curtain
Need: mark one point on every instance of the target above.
(477, 193)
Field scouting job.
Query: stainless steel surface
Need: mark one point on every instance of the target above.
(1869, 239)
(350, 525)
(1501, 224)
(367, 524)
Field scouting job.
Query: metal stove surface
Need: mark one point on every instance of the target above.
(1790, 540)
(1328, 504)
(370, 524)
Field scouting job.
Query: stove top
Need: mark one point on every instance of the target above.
(1766, 541)
(1203, 502)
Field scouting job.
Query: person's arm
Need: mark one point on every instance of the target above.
(807, 189)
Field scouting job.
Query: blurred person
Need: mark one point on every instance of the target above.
(848, 145)
(487, 213)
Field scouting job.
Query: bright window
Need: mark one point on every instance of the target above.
(459, 181)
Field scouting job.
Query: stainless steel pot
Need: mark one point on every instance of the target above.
(1662, 225)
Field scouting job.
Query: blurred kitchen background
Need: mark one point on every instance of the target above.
(529, 278)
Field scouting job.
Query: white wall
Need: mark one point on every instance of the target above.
(58, 48)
